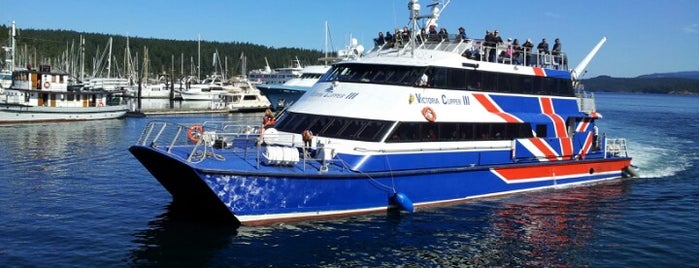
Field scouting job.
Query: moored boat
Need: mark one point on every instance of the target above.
(411, 125)
(282, 95)
(242, 96)
(207, 90)
(275, 76)
(44, 96)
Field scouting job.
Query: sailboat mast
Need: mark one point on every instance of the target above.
(82, 58)
(199, 58)
(109, 59)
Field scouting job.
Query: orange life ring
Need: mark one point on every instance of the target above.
(47, 84)
(429, 114)
(194, 133)
(100, 104)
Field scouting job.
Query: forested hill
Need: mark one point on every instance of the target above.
(667, 83)
(50, 45)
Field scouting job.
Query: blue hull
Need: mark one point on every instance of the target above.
(281, 96)
(274, 194)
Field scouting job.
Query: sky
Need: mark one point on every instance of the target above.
(643, 36)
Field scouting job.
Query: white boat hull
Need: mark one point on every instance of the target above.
(27, 114)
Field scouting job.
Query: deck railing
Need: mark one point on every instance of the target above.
(476, 49)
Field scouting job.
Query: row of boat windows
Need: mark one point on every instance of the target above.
(27, 76)
(375, 130)
(311, 76)
(334, 127)
(425, 131)
(449, 78)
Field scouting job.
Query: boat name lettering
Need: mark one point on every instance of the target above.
(426, 100)
(446, 100)
(335, 95)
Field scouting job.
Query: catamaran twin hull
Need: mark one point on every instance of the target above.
(233, 182)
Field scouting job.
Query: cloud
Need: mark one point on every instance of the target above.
(692, 28)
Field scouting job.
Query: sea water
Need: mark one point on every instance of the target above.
(72, 195)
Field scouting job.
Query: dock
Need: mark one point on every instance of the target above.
(144, 113)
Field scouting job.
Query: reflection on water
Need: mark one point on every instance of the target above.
(167, 104)
(549, 228)
(553, 228)
(54, 149)
(175, 238)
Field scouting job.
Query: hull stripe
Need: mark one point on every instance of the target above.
(492, 107)
(545, 149)
(549, 172)
(558, 123)
(539, 71)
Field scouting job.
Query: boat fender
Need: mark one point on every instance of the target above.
(402, 201)
(194, 133)
(429, 114)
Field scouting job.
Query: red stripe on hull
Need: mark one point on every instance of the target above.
(561, 169)
(539, 71)
(586, 147)
(491, 107)
(583, 125)
(567, 147)
(558, 123)
(543, 147)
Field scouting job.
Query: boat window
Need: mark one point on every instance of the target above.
(334, 127)
(373, 130)
(541, 130)
(426, 131)
(352, 128)
(373, 73)
(450, 78)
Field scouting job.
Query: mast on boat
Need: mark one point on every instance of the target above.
(199, 58)
(10, 49)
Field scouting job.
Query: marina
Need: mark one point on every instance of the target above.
(70, 202)
(426, 149)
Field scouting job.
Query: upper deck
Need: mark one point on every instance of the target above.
(479, 50)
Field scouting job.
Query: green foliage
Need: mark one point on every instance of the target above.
(52, 45)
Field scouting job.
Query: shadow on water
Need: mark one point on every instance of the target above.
(181, 237)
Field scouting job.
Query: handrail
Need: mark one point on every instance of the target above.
(455, 148)
(478, 51)
(615, 147)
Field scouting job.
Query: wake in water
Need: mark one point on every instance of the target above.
(658, 160)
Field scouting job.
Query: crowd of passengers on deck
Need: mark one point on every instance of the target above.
(491, 48)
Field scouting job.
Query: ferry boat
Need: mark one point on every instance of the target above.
(407, 126)
(276, 76)
(283, 95)
(44, 96)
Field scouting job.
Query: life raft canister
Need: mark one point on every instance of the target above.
(429, 114)
(194, 133)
